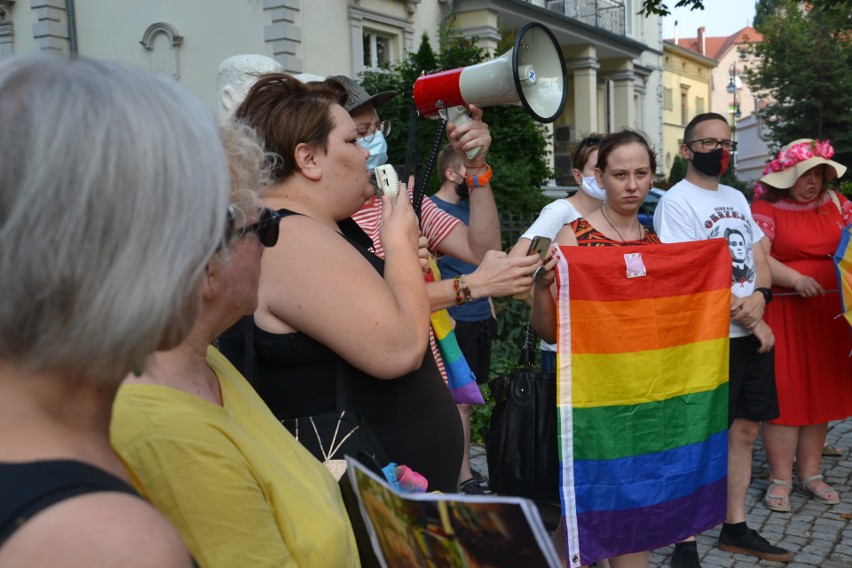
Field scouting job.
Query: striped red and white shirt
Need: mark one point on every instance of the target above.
(436, 227)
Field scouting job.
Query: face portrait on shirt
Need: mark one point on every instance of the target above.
(736, 243)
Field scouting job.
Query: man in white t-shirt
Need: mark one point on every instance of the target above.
(698, 208)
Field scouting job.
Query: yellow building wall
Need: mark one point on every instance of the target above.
(686, 93)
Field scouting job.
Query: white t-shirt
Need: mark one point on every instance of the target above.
(690, 213)
(550, 221)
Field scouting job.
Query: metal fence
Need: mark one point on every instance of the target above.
(604, 14)
(512, 226)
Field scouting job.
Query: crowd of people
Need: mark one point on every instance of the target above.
(185, 395)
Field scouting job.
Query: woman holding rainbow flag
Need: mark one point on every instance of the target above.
(625, 169)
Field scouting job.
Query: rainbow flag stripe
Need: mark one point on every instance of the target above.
(843, 266)
(460, 379)
(642, 394)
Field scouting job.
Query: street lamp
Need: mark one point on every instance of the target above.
(734, 85)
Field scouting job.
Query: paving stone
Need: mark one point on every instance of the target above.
(817, 534)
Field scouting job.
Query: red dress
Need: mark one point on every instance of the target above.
(813, 368)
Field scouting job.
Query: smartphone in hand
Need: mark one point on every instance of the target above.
(539, 245)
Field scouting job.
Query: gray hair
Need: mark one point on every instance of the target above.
(113, 196)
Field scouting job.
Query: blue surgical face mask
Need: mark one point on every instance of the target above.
(378, 148)
(592, 189)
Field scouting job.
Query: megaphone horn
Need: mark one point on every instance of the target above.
(532, 74)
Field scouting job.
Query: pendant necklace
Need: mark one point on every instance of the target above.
(623, 240)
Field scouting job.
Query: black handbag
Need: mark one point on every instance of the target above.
(522, 442)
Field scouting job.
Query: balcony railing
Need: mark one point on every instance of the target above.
(604, 14)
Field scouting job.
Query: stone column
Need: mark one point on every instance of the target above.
(481, 24)
(51, 29)
(583, 70)
(7, 29)
(623, 103)
(284, 33)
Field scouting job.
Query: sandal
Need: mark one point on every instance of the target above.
(832, 451)
(820, 495)
(784, 506)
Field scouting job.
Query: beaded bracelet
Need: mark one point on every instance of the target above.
(457, 286)
(467, 295)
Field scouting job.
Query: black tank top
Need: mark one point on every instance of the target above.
(414, 416)
(28, 488)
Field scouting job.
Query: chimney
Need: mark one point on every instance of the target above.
(676, 38)
(701, 43)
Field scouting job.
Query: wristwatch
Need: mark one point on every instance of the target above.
(767, 294)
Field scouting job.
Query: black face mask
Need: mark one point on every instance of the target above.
(711, 164)
(462, 190)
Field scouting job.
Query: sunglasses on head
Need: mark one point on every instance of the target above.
(266, 227)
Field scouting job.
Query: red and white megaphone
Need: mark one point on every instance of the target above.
(531, 74)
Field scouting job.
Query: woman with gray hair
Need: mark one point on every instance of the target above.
(191, 410)
(113, 197)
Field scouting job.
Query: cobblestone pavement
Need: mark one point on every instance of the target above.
(819, 535)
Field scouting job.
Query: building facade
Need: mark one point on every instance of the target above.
(687, 92)
(613, 56)
(187, 39)
(731, 95)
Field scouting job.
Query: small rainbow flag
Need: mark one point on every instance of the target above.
(643, 394)
(843, 266)
(460, 379)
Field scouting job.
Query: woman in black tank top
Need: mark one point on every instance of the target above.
(325, 299)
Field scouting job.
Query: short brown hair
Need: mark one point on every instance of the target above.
(583, 149)
(620, 138)
(286, 113)
(448, 158)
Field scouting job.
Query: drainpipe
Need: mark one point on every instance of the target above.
(72, 26)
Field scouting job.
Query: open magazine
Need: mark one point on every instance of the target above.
(449, 530)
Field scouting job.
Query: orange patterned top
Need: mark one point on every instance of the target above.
(588, 236)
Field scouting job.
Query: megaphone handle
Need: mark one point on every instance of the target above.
(459, 115)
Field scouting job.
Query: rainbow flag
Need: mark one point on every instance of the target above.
(843, 266)
(642, 391)
(460, 379)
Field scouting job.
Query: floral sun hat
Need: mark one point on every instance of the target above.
(795, 159)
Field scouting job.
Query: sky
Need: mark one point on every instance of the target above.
(719, 18)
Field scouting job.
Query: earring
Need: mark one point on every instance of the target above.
(137, 368)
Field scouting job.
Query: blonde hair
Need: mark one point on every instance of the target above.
(249, 166)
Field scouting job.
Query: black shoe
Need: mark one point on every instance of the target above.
(480, 479)
(754, 545)
(685, 557)
(471, 487)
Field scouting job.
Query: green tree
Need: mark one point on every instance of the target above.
(763, 10)
(657, 7)
(678, 171)
(519, 153)
(806, 69)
